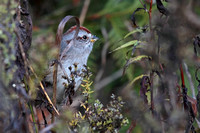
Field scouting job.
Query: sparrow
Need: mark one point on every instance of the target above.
(72, 62)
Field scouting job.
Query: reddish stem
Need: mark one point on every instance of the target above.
(150, 10)
(132, 126)
(182, 76)
(151, 90)
(161, 67)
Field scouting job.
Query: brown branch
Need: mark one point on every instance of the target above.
(23, 54)
(182, 76)
(108, 80)
(150, 10)
(103, 55)
(132, 127)
(192, 18)
(27, 65)
(45, 93)
(48, 128)
(84, 11)
(20, 44)
(141, 2)
(151, 90)
(57, 42)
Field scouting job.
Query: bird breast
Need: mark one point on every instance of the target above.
(76, 64)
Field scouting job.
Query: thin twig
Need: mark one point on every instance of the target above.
(198, 123)
(46, 129)
(108, 79)
(27, 64)
(44, 118)
(141, 2)
(150, 10)
(59, 36)
(182, 76)
(151, 90)
(190, 80)
(45, 93)
(192, 18)
(33, 115)
(54, 85)
(129, 27)
(84, 11)
(65, 73)
(132, 126)
(103, 55)
(23, 54)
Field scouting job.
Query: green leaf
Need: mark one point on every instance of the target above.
(132, 32)
(137, 78)
(131, 43)
(137, 58)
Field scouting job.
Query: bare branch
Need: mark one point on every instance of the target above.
(103, 55)
(84, 11)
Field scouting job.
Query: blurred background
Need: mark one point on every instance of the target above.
(110, 20)
(147, 70)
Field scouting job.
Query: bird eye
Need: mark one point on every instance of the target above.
(84, 37)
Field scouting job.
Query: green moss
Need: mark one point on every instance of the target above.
(7, 35)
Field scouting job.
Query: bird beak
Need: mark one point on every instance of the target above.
(94, 38)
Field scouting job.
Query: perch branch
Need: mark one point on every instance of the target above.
(45, 93)
(57, 42)
(27, 64)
